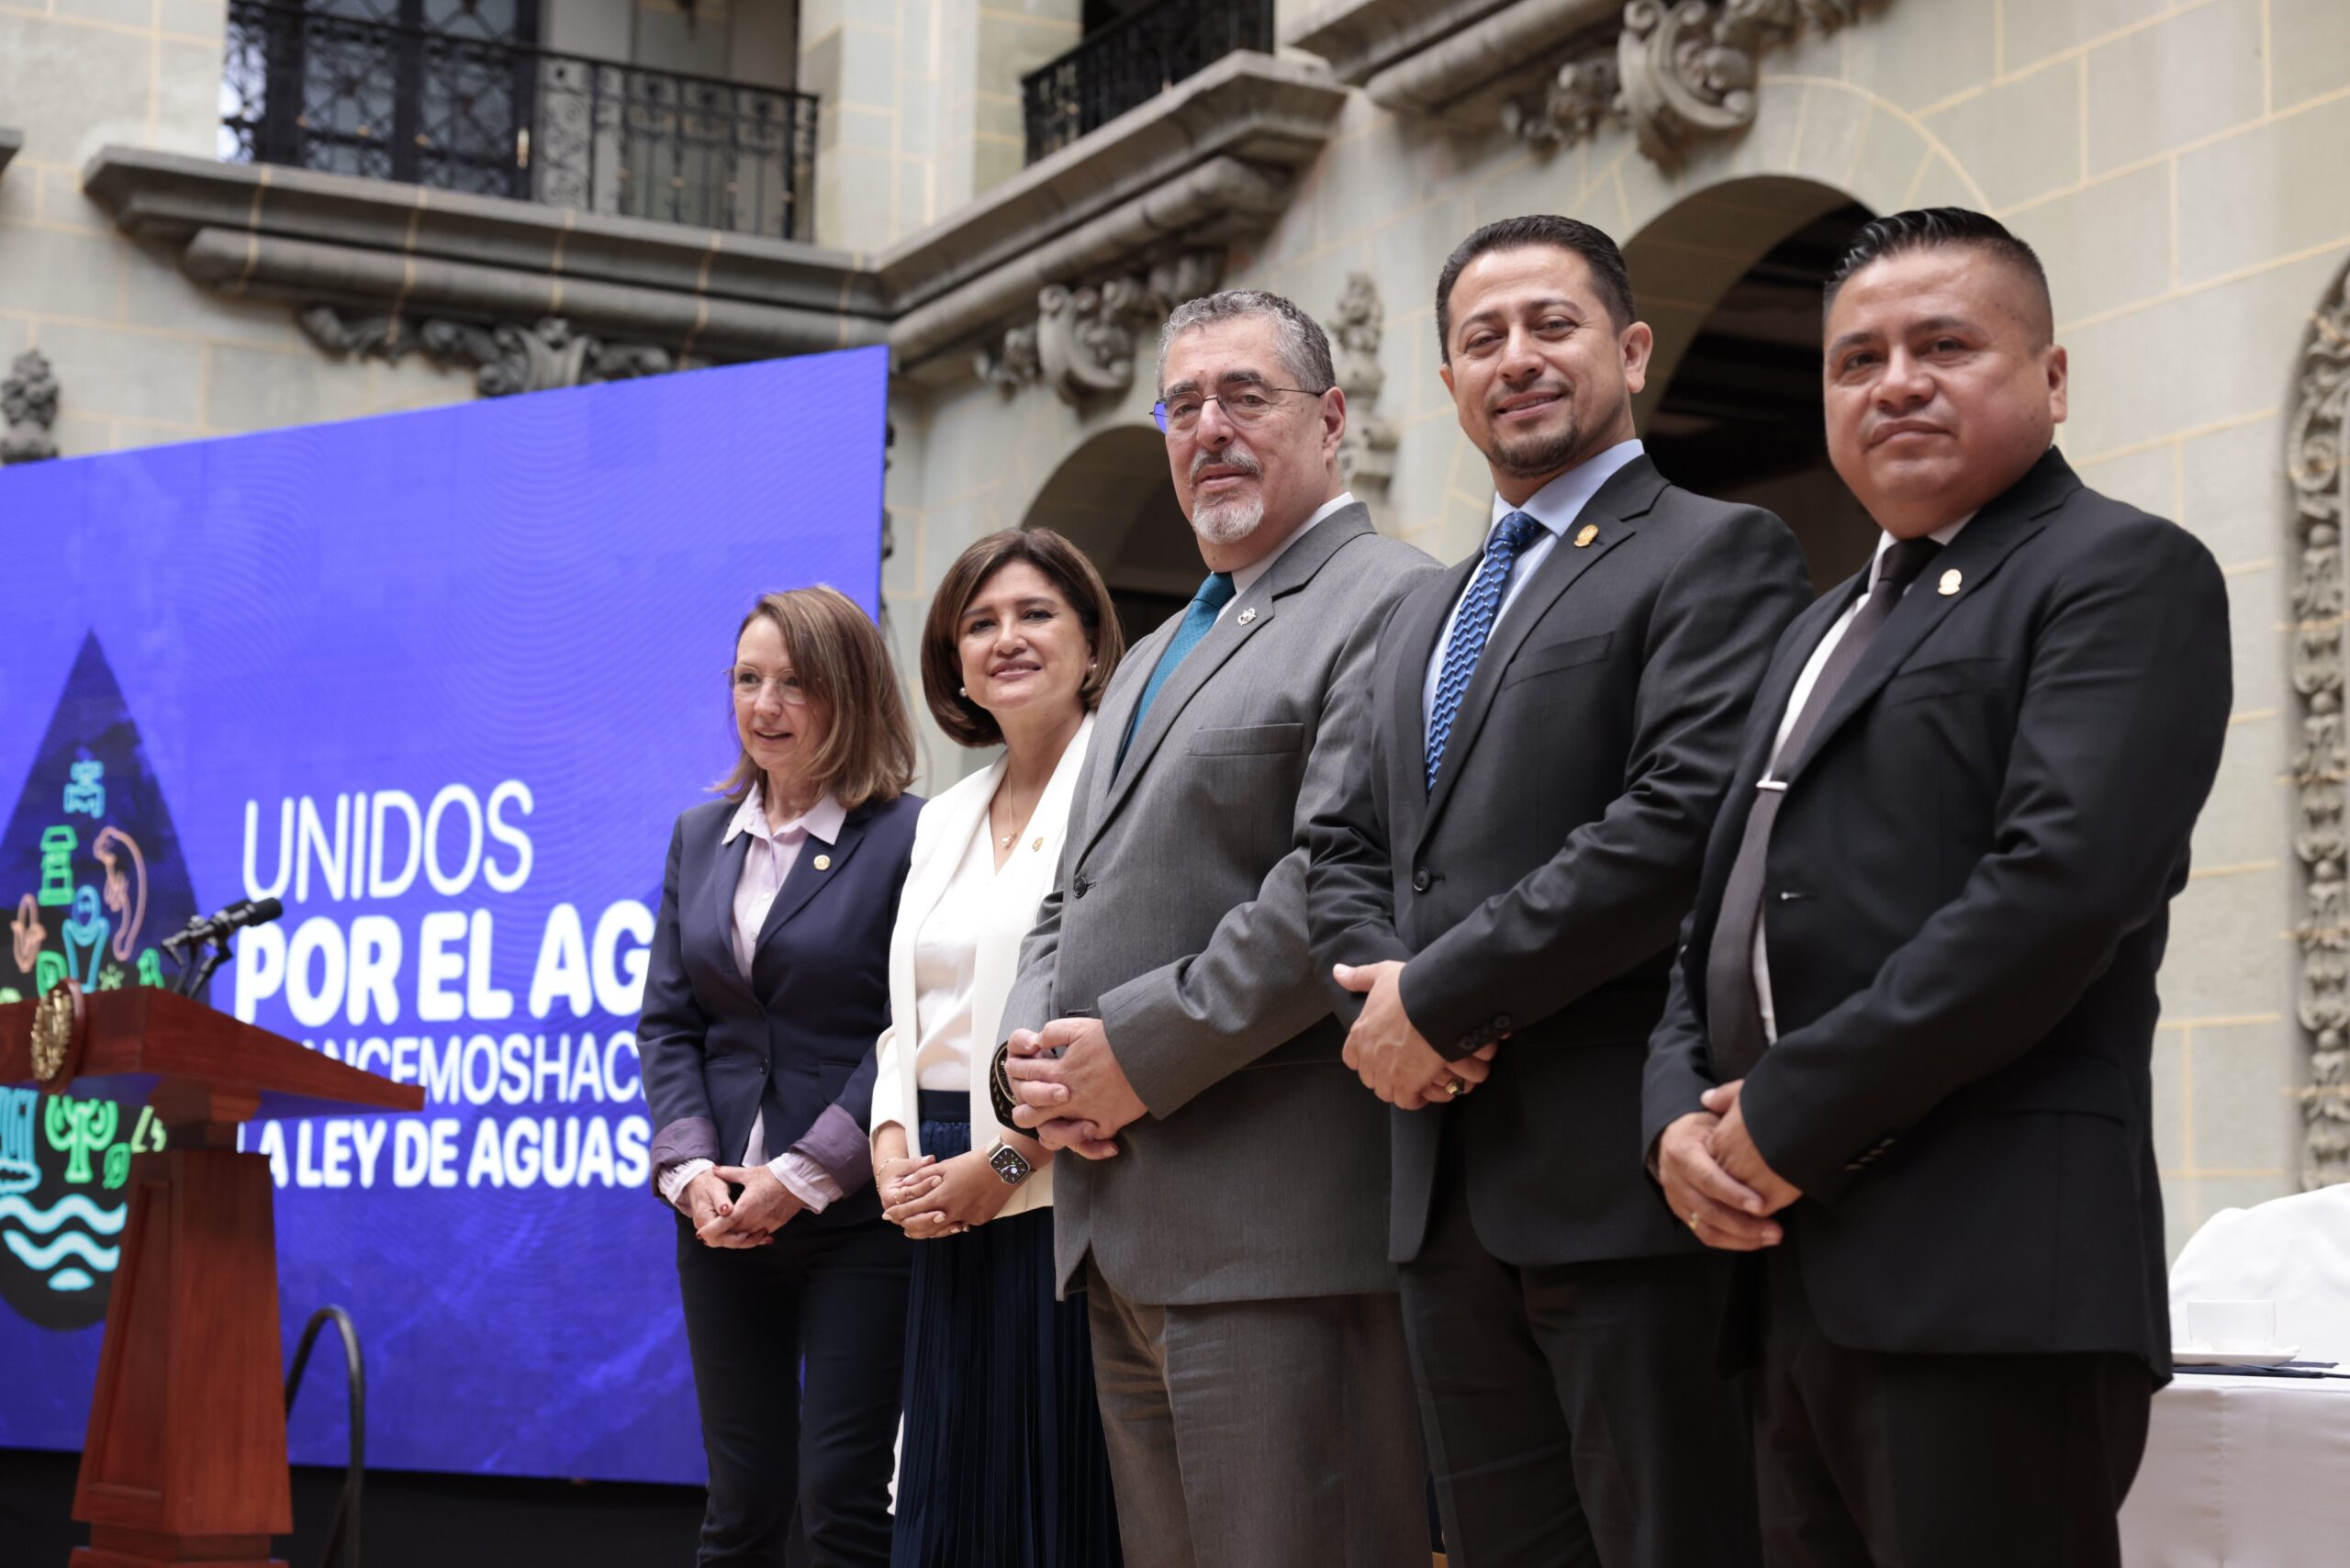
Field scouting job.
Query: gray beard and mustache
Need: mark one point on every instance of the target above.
(1232, 520)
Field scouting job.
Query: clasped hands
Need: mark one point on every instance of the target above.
(1717, 1180)
(764, 1207)
(1079, 1100)
(927, 1197)
(1394, 1059)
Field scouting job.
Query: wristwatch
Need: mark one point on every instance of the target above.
(1009, 1163)
(1000, 1087)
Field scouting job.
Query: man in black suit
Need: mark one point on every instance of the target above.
(1499, 891)
(1907, 1058)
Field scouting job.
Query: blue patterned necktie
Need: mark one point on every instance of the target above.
(1206, 604)
(1472, 626)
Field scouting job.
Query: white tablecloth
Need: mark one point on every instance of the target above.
(2243, 1473)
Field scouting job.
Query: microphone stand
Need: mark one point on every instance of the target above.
(194, 974)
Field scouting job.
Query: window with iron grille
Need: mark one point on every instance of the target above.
(1129, 60)
(457, 95)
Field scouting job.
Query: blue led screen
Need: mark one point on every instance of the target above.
(440, 681)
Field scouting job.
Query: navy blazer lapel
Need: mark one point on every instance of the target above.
(714, 924)
(819, 863)
(1629, 493)
(1248, 614)
(1978, 551)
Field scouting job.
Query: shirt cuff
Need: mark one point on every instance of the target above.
(675, 1179)
(838, 1147)
(806, 1181)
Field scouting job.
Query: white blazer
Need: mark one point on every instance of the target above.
(941, 836)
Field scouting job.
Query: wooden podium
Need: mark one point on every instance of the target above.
(185, 1459)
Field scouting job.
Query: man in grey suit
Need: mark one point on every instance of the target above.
(1554, 723)
(1224, 1221)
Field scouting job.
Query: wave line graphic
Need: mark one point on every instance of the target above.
(46, 1256)
(69, 1279)
(72, 1205)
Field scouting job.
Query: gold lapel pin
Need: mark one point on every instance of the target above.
(1952, 582)
(823, 862)
(1039, 845)
(1584, 535)
(1248, 615)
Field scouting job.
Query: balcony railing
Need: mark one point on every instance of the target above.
(1134, 61)
(497, 118)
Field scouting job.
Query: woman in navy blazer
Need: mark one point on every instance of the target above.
(767, 986)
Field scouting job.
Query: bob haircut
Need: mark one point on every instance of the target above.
(867, 752)
(1066, 567)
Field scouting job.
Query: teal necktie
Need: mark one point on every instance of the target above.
(1206, 604)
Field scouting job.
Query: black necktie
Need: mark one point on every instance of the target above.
(1733, 1011)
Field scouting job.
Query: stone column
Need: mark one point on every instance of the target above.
(920, 108)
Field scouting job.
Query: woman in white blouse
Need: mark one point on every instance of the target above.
(1002, 1460)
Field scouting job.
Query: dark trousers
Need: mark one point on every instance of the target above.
(797, 1349)
(1938, 1460)
(1575, 1413)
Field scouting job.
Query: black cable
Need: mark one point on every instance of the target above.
(342, 1531)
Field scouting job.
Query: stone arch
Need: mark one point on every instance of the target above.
(2317, 466)
(1111, 497)
(1729, 278)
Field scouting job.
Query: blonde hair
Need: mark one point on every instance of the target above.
(867, 752)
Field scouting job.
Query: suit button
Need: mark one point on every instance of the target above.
(1501, 1025)
(763, 1064)
(1421, 879)
(1079, 884)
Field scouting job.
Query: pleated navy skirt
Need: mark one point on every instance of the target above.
(1002, 1463)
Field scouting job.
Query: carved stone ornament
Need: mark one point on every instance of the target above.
(1580, 97)
(29, 399)
(1084, 339)
(1367, 451)
(2318, 463)
(506, 358)
(1679, 71)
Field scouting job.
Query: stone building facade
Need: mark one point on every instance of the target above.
(1013, 192)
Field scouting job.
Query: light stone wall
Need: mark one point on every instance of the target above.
(144, 356)
(2177, 165)
(921, 105)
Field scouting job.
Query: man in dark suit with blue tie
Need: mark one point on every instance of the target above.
(1554, 721)
(1907, 1057)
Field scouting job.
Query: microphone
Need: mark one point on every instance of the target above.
(213, 928)
(207, 939)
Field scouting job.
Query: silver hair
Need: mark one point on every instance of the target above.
(1303, 347)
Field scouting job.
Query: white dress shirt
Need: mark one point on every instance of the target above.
(1796, 701)
(946, 950)
(1555, 505)
(767, 861)
(1245, 578)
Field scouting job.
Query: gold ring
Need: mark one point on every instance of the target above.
(1456, 1089)
(1693, 1219)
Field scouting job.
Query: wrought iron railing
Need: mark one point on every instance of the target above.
(1132, 61)
(500, 117)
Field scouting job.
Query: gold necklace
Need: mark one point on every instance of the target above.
(1005, 840)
